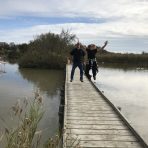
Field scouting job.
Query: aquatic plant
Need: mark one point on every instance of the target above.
(26, 134)
(28, 114)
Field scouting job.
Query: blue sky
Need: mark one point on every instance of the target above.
(122, 22)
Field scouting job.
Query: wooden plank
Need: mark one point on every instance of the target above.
(92, 94)
(91, 103)
(90, 112)
(106, 137)
(116, 122)
(98, 132)
(93, 115)
(106, 144)
(83, 101)
(87, 108)
(88, 105)
(91, 108)
(80, 98)
(105, 127)
(92, 118)
(83, 95)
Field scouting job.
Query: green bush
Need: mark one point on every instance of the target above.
(48, 51)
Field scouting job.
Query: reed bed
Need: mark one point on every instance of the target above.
(26, 134)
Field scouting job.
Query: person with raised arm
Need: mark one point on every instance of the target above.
(91, 63)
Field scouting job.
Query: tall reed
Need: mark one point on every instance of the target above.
(26, 135)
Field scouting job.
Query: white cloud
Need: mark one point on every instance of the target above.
(82, 30)
(87, 33)
(77, 8)
(123, 18)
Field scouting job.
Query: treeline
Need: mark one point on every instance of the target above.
(12, 52)
(140, 60)
(51, 51)
(45, 51)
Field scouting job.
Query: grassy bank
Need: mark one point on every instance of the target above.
(138, 60)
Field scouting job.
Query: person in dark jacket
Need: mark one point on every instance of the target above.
(78, 59)
(91, 59)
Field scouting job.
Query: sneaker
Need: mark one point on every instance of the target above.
(70, 80)
(81, 80)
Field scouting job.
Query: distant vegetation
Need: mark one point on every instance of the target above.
(45, 51)
(129, 59)
(48, 51)
(51, 51)
(9, 51)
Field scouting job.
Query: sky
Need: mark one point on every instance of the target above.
(124, 23)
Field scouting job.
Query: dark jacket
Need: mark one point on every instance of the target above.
(91, 54)
(78, 55)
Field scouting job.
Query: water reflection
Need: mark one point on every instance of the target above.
(127, 89)
(20, 83)
(47, 80)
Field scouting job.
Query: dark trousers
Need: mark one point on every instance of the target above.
(74, 66)
(87, 68)
(93, 66)
(94, 69)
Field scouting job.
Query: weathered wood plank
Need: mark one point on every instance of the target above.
(93, 115)
(92, 118)
(106, 137)
(91, 109)
(106, 144)
(116, 122)
(85, 101)
(105, 127)
(98, 132)
(90, 112)
(87, 108)
(89, 105)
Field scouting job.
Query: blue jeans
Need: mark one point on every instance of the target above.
(74, 66)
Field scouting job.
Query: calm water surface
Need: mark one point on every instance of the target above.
(125, 88)
(17, 84)
(129, 90)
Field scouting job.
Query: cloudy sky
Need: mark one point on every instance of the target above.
(124, 23)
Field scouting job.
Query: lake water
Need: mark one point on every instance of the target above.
(129, 90)
(125, 88)
(20, 83)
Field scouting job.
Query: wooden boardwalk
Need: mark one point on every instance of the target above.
(91, 121)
